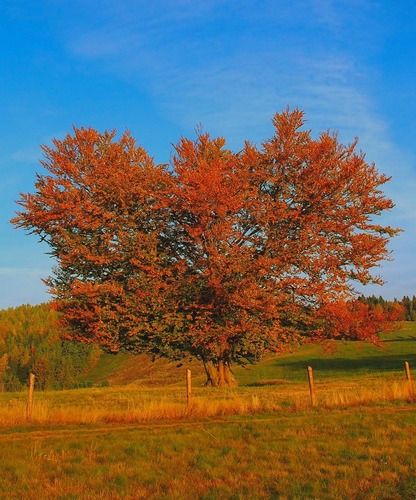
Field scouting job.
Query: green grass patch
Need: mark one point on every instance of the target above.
(356, 453)
(349, 359)
(259, 440)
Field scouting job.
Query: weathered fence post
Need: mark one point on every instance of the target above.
(311, 386)
(188, 386)
(29, 406)
(408, 377)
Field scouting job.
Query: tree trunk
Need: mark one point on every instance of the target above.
(219, 374)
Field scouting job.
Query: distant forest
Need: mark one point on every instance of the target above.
(408, 305)
(30, 342)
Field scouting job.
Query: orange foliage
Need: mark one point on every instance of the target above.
(221, 255)
(355, 320)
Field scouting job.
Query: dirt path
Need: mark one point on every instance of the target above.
(8, 435)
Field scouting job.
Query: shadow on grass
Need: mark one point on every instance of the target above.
(399, 339)
(264, 383)
(362, 364)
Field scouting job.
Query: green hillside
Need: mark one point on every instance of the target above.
(30, 341)
(350, 359)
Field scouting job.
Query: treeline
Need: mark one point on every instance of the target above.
(407, 304)
(30, 342)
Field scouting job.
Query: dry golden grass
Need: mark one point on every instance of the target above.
(359, 393)
(359, 453)
(45, 413)
(132, 405)
(146, 391)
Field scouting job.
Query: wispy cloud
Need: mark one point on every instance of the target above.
(196, 76)
(230, 89)
(233, 91)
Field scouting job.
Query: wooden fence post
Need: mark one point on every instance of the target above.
(188, 386)
(29, 406)
(311, 386)
(408, 377)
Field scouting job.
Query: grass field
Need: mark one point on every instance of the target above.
(349, 359)
(139, 439)
(361, 453)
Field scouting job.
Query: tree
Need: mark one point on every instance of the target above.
(30, 342)
(4, 367)
(356, 320)
(222, 256)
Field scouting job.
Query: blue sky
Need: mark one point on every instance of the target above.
(161, 68)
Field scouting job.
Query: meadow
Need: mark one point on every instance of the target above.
(131, 437)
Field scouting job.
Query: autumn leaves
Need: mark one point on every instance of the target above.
(219, 255)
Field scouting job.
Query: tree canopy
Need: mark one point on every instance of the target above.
(220, 255)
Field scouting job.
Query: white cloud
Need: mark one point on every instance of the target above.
(234, 90)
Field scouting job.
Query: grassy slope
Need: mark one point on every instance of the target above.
(260, 440)
(351, 359)
(140, 370)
